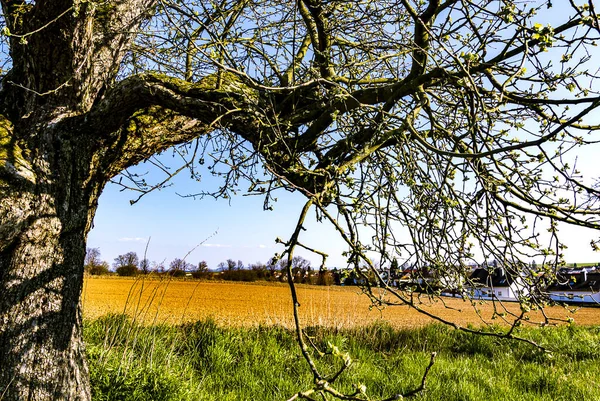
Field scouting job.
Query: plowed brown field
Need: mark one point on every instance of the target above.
(234, 304)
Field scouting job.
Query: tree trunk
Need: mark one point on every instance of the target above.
(46, 210)
(41, 346)
(52, 169)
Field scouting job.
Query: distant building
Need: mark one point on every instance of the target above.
(576, 285)
(491, 283)
(497, 284)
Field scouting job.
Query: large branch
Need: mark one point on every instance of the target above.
(205, 100)
(146, 114)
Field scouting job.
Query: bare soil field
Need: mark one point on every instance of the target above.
(241, 304)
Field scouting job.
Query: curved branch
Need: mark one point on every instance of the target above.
(146, 114)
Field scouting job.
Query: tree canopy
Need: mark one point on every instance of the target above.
(442, 133)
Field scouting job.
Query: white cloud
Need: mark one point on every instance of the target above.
(262, 246)
(132, 239)
(216, 245)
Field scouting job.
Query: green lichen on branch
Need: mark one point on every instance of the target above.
(219, 92)
(103, 12)
(229, 82)
(147, 119)
(16, 15)
(148, 131)
(12, 162)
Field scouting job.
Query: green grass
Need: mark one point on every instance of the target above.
(202, 361)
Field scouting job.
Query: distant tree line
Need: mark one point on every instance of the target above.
(129, 265)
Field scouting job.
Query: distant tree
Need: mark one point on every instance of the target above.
(202, 270)
(272, 267)
(234, 271)
(258, 266)
(92, 256)
(100, 270)
(158, 267)
(202, 267)
(127, 271)
(299, 267)
(299, 264)
(281, 264)
(127, 264)
(126, 259)
(259, 269)
(144, 266)
(93, 264)
(179, 267)
(177, 264)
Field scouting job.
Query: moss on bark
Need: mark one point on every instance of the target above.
(12, 160)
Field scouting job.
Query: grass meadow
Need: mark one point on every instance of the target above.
(195, 341)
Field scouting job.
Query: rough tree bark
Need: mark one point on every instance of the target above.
(45, 217)
(49, 186)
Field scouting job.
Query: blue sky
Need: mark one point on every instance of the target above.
(239, 229)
